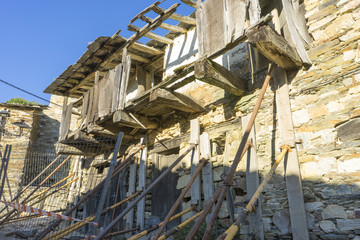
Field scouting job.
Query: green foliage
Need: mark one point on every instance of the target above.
(21, 101)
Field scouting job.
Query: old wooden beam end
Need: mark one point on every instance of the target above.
(215, 74)
(274, 47)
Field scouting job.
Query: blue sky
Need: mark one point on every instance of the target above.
(39, 39)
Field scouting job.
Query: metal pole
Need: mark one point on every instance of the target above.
(132, 204)
(179, 200)
(231, 232)
(108, 179)
(118, 169)
(221, 192)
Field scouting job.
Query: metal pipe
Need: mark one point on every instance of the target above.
(117, 170)
(37, 187)
(231, 232)
(167, 171)
(179, 200)
(221, 192)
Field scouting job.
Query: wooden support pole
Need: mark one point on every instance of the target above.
(143, 194)
(298, 218)
(250, 207)
(230, 196)
(140, 213)
(107, 183)
(180, 198)
(129, 218)
(221, 192)
(252, 183)
(195, 158)
(207, 175)
(117, 170)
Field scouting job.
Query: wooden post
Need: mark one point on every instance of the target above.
(252, 183)
(129, 219)
(230, 196)
(140, 214)
(195, 158)
(126, 62)
(207, 176)
(292, 170)
(141, 79)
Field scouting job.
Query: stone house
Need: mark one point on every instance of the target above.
(210, 67)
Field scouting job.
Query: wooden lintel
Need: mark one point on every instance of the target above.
(274, 47)
(191, 3)
(175, 100)
(123, 118)
(215, 74)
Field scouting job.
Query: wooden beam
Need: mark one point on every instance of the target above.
(151, 35)
(129, 218)
(126, 63)
(191, 3)
(140, 214)
(215, 74)
(123, 118)
(195, 158)
(147, 49)
(299, 225)
(175, 100)
(173, 28)
(141, 79)
(274, 47)
(183, 19)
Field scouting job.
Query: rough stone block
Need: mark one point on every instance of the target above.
(348, 224)
(327, 226)
(312, 206)
(334, 211)
(281, 220)
(346, 131)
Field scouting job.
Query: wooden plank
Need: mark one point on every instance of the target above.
(235, 15)
(294, 35)
(173, 28)
(174, 100)
(124, 79)
(207, 176)
(252, 183)
(122, 117)
(200, 27)
(274, 47)
(254, 11)
(129, 218)
(141, 79)
(140, 214)
(215, 74)
(65, 119)
(151, 35)
(95, 107)
(106, 85)
(230, 196)
(116, 89)
(195, 158)
(147, 49)
(300, 21)
(299, 225)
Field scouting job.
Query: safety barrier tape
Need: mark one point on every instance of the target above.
(29, 209)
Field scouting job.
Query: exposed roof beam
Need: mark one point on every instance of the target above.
(151, 35)
(180, 18)
(173, 28)
(147, 49)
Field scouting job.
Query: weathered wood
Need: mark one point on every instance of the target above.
(151, 35)
(95, 106)
(141, 79)
(254, 11)
(140, 214)
(294, 35)
(131, 190)
(235, 15)
(207, 176)
(299, 225)
(105, 95)
(146, 48)
(215, 74)
(252, 183)
(173, 28)
(195, 158)
(123, 118)
(300, 21)
(183, 19)
(230, 196)
(200, 27)
(191, 3)
(124, 79)
(175, 100)
(65, 120)
(116, 89)
(274, 47)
